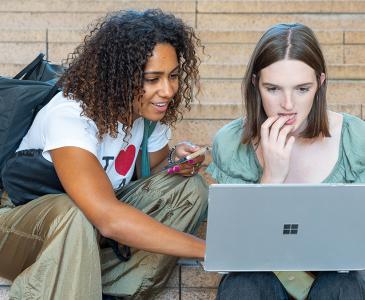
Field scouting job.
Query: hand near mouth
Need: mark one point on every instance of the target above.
(276, 148)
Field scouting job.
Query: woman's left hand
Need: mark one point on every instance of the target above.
(189, 168)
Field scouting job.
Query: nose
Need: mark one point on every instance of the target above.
(166, 89)
(287, 101)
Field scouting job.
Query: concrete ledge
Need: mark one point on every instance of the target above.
(227, 91)
(355, 37)
(263, 21)
(325, 6)
(237, 71)
(252, 36)
(354, 54)
(240, 53)
(94, 6)
(20, 53)
(56, 20)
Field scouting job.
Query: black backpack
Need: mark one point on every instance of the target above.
(21, 98)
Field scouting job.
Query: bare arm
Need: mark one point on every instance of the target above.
(85, 181)
(158, 159)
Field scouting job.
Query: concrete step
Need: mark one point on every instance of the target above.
(261, 21)
(211, 70)
(237, 71)
(191, 282)
(76, 20)
(186, 282)
(235, 53)
(226, 91)
(56, 20)
(220, 111)
(240, 53)
(245, 36)
(311, 6)
(188, 6)
(354, 37)
(221, 47)
(94, 6)
(252, 36)
(229, 54)
(20, 53)
(74, 35)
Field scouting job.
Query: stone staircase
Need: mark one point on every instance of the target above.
(229, 30)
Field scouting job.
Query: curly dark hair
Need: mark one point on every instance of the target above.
(105, 72)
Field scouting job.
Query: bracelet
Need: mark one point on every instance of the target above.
(171, 156)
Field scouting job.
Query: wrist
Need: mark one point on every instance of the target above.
(171, 155)
(267, 179)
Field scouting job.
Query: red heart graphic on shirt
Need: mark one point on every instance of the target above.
(125, 160)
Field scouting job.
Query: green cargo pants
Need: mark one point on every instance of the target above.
(50, 250)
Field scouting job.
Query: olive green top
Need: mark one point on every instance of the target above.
(233, 162)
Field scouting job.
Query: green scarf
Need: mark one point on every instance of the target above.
(149, 126)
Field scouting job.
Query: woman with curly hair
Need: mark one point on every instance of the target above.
(126, 84)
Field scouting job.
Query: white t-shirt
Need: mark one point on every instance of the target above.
(60, 124)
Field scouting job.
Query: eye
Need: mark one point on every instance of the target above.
(272, 89)
(174, 76)
(303, 90)
(151, 80)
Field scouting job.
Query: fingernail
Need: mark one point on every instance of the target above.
(176, 169)
(191, 161)
(170, 171)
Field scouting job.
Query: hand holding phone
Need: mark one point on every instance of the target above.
(189, 164)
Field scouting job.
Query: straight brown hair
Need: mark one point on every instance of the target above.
(285, 41)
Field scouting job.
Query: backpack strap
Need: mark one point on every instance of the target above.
(29, 68)
(149, 126)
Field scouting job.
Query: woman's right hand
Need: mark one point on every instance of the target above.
(276, 149)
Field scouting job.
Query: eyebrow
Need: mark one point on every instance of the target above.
(159, 72)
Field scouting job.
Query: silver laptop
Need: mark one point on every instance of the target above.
(285, 227)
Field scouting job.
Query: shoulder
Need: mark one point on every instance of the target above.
(232, 161)
(354, 125)
(63, 117)
(62, 110)
(60, 104)
(353, 134)
(353, 142)
(227, 141)
(229, 132)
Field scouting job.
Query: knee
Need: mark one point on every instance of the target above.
(63, 212)
(251, 285)
(334, 285)
(199, 191)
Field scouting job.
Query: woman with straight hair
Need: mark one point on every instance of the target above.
(289, 136)
(69, 183)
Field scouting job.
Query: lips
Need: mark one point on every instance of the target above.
(292, 118)
(160, 106)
